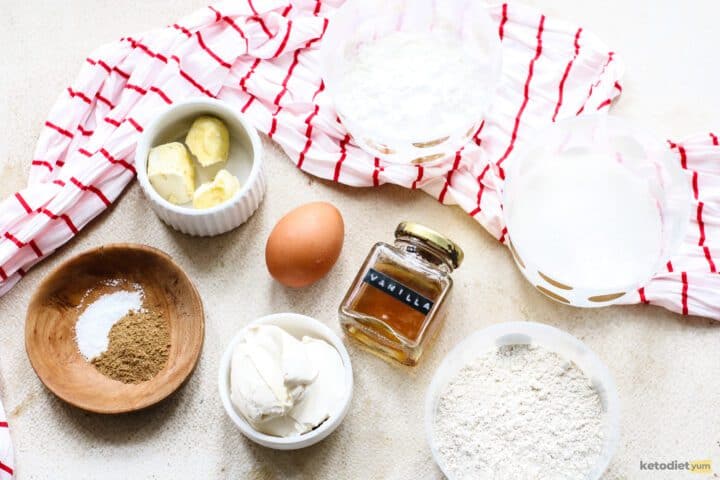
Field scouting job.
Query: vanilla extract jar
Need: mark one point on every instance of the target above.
(395, 304)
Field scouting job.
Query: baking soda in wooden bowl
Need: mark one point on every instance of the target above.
(95, 322)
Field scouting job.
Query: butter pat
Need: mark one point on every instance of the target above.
(170, 172)
(283, 386)
(221, 189)
(209, 140)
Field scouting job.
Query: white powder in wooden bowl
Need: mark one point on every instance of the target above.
(519, 412)
(94, 324)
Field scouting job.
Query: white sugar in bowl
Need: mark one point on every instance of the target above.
(594, 207)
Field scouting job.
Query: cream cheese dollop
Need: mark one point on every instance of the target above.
(284, 386)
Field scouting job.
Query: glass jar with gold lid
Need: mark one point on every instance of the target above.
(395, 304)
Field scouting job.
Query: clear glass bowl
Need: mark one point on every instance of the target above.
(529, 333)
(359, 22)
(607, 228)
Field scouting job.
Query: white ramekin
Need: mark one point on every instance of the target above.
(296, 325)
(171, 125)
(550, 338)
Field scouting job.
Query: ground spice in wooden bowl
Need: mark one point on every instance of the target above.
(138, 348)
(169, 350)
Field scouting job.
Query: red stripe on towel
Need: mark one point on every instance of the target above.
(561, 88)
(343, 156)
(684, 293)
(526, 97)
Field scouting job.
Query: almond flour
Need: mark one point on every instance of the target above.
(519, 412)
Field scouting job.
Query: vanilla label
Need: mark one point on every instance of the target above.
(397, 290)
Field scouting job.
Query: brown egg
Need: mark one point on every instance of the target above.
(305, 244)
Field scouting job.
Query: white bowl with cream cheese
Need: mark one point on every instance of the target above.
(297, 326)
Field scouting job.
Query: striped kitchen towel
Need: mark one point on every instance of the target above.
(261, 56)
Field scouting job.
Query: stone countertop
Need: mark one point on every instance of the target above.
(666, 366)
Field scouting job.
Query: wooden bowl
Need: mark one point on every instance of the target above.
(53, 311)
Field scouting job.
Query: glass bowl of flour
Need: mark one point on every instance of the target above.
(411, 79)
(594, 207)
(519, 401)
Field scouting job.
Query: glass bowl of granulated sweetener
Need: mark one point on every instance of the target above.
(411, 79)
(594, 207)
(522, 400)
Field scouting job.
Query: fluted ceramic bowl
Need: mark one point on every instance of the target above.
(244, 161)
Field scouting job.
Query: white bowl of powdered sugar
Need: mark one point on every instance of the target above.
(411, 80)
(522, 400)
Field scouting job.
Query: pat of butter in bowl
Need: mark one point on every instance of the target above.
(284, 386)
(172, 174)
(209, 140)
(216, 192)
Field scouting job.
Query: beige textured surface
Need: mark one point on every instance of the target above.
(666, 367)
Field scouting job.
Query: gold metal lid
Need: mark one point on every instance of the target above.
(436, 239)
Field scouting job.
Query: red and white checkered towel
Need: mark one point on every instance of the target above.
(261, 56)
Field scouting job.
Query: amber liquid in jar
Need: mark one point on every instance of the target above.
(403, 319)
(395, 305)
